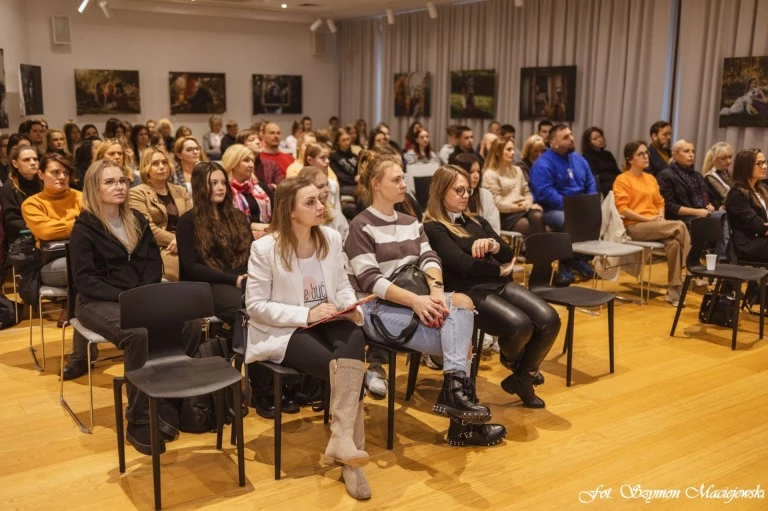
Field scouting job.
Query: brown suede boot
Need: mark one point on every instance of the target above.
(346, 378)
(354, 477)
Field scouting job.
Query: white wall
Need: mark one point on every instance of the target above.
(155, 44)
(13, 41)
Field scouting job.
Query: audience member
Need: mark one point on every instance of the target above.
(410, 136)
(421, 159)
(717, 173)
(151, 125)
(230, 136)
(4, 160)
(452, 132)
(113, 128)
(306, 124)
(36, 133)
(661, 137)
(183, 131)
(164, 130)
(532, 149)
(162, 203)
(23, 182)
(544, 130)
(294, 168)
(332, 217)
(344, 162)
(139, 142)
(271, 148)
(247, 194)
(212, 139)
(187, 153)
(495, 128)
(507, 130)
(480, 200)
(56, 142)
(354, 146)
(465, 140)
(362, 133)
(73, 136)
(601, 160)
(485, 144)
(746, 206)
(89, 131)
(290, 144)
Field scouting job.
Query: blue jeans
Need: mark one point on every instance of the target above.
(555, 218)
(451, 340)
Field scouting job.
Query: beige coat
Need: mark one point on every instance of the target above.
(508, 188)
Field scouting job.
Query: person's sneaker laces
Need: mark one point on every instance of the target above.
(376, 382)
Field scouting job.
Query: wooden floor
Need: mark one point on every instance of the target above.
(678, 413)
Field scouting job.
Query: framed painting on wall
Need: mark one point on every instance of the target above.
(197, 93)
(31, 86)
(744, 94)
(3, 108)
(473, 94)
(413, 95)
(548, 93)
(104, 91)
(276, 94)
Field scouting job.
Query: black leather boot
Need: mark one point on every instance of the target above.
(538, 378)
(461, 433)
(453, 402)
(521, 383)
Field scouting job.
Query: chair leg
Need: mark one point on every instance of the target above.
(391, 400)
(610, 333)
(569, 346)
(686, 283)
(15, 295)
(736, 308)
(62, 401)
(42, 333)
(90, 381)
(237, 425)
(155, 442)
(220, 397)
(32, 349)
(762, 305)
(413, 373)
(277, 383)
(117, 388)
(477, 345)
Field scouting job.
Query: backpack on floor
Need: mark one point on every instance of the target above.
(8, 310)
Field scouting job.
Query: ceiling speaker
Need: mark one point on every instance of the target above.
(61, 30)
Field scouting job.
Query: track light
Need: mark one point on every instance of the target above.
(83, 5)
(315, 25)
(104, 8)
(431, 10)
(331, 25)
(390, 16)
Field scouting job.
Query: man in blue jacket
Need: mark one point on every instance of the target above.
(557, 173)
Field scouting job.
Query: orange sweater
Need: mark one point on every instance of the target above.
(51, 217)
(638, 193)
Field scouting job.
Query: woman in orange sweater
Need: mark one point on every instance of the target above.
(640, 203)
(51, 214)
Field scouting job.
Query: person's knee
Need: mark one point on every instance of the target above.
(462, 301)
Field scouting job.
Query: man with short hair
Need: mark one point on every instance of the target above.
(230, 137)
(333, 124)
(465, 141)
(485, 144)
(36, 134)
(544, 130)
(495, 128)
(659, 152)
(271, 145)
(306, 124)
(507, 129)
(445, 151)
(557, 173)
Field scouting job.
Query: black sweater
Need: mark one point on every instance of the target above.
(102, 268)
(747, 222)
(344, 164)
(11, 198)
(604, 168)
(191, 265)
(462, 272)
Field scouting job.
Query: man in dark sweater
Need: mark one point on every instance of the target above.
(230, 137)
(659, 152)
(465, 142)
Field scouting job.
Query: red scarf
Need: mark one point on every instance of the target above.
(252, 188)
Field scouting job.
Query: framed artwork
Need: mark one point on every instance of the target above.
(3, 107)
(197, 93)
(276, 94)
(473, 94)
(413, 95)
(744, 95)
(548, 93)
(31, 86)
(103, 91)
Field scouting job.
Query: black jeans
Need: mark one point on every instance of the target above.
(104, 319)
(227, 300)
(526, 325)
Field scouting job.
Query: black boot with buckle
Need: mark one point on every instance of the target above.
(461, 433)
(521, 383)
(453, 402)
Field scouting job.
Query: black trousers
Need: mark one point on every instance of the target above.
(227, 300)
(526, 325)
(104, 319)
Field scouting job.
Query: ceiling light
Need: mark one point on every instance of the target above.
(315, 25)
(104, 8)
(331, 25)
(284, 6)
(390, 16)
(431, 10)
(83, 6)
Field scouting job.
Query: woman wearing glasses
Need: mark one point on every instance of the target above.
(187, 152)
(162, 203)
(510, 190)
(641, 205)
(746, 206)
(478, 263)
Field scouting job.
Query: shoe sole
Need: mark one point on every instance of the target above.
(471, 417)
(169, 432)
(513, 390)
(143, 448)
(463, 443)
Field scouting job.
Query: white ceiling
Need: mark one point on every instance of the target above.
(271, 9)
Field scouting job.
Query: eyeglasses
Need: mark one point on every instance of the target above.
(762, 164)
(192, 149)
(112, 182)
(460, 191)
(56, 174)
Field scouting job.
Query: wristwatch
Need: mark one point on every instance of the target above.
(437, 284)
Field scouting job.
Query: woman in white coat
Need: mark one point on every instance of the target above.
(296, 285)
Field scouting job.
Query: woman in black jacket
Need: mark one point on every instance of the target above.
(600, 159)
(113, 250)
(344, 162)
(478, 263)
(23, 182)
(746, 204)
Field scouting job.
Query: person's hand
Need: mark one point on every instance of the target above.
(430, 310)
(484, 245)
(710, 208)
(354, 316)
(240, 279)
(536, 207)
(172, 248)
(321, 312)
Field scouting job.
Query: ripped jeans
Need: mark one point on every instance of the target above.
(451, 341)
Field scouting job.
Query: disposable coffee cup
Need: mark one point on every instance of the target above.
(711, 261)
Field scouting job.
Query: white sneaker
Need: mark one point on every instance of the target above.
(700, 282)
(673, 295)
(495, 346)
(488, 341)
(376, 381)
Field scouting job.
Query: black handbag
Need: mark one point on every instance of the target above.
(722, 314)
(23, 253)
(52, 250)
(411, 278)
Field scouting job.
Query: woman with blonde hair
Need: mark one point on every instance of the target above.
(113, 150)
(510, 190)
(248, 196)
(478, 263)
(532, 149)
(164, 128)
(162, 203)
(332, 218)
(187, 153)
(717, 173)
(57, 142)
(294, 168)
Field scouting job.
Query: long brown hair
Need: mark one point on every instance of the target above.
(442, 181)
(221, 232)
(282, 227)
(495, 159)
(742, 172)
(310, 174)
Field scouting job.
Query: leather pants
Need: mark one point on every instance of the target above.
(526, 325)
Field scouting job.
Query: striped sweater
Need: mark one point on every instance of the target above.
(379, 244)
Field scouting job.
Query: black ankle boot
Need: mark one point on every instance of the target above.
(521, 383)
(538, 378)
(469, 390)
(462, 433)
(454, 403)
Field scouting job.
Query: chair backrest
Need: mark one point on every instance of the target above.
(421, 184)
(163, 309)
(583, 217)
(541, 250)
(705, 233)
(71, 289)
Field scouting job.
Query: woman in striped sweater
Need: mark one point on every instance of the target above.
(380, 242)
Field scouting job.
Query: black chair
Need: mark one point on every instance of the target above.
(705, 233)
(421, 185)
(541, 251)
(279, 373)
(169, 372)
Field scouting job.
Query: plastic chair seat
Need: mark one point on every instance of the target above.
(181, 376)
(90, 335)
(53, 292)
(729, 271)
(605, 248)
(573, 296)
(653, 245)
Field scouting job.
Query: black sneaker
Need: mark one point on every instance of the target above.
(75, 369)
(461, 433)
(169, 420)
(138, 435)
